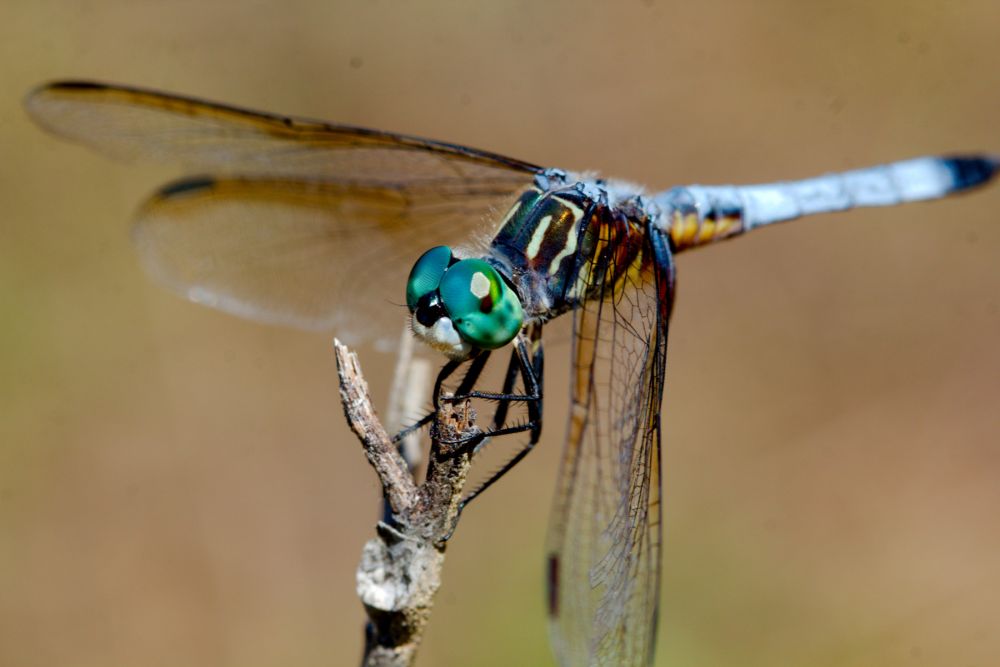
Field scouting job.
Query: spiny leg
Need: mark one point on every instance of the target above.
(513, 370)
(520, 361)
(527, 359)
(526, 363)
(531, 375)
(469, 381)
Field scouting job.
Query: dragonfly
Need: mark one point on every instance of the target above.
(314, 225)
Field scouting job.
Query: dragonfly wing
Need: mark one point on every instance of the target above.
(130, 123)
(311, 254)
(604, 539)
(302, 222)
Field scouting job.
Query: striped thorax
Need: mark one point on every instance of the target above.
(558, 246)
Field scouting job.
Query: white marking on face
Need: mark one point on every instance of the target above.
(536, 239)
(443, 337)
(480, 286)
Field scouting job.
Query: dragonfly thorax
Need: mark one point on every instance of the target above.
(457, 306)
(562, 245)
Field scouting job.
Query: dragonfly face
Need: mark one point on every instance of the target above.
(461, 305)
(556, 246)
(281, 220)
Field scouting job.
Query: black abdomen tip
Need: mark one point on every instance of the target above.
(968, 172)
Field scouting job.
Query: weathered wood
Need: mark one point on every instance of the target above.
(400, 569)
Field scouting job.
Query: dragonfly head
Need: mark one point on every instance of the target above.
(458, 306)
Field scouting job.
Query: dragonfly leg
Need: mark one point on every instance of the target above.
(415, 426)
(531, 386)
(520, 363)
(531, 375)
(469, 381)
(513, 369)
(478, 440)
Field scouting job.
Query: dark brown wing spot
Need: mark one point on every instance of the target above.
(553, 586)
(77, 85)
(186, 186)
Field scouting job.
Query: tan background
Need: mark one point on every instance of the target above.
(177, 487)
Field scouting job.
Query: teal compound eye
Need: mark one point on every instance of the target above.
(425, 276)
(485, 311)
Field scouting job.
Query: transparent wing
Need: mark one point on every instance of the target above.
(308, 223)
(604, 540)
(315, 255)
(130, 123)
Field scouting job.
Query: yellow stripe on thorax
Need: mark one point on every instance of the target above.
(538, 236)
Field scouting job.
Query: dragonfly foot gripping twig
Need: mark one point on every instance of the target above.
(400, 569)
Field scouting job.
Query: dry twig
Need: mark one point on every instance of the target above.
(400, 568)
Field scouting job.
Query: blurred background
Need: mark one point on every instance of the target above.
(177, 487)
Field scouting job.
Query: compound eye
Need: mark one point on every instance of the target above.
(425, 276)
(484, 310)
